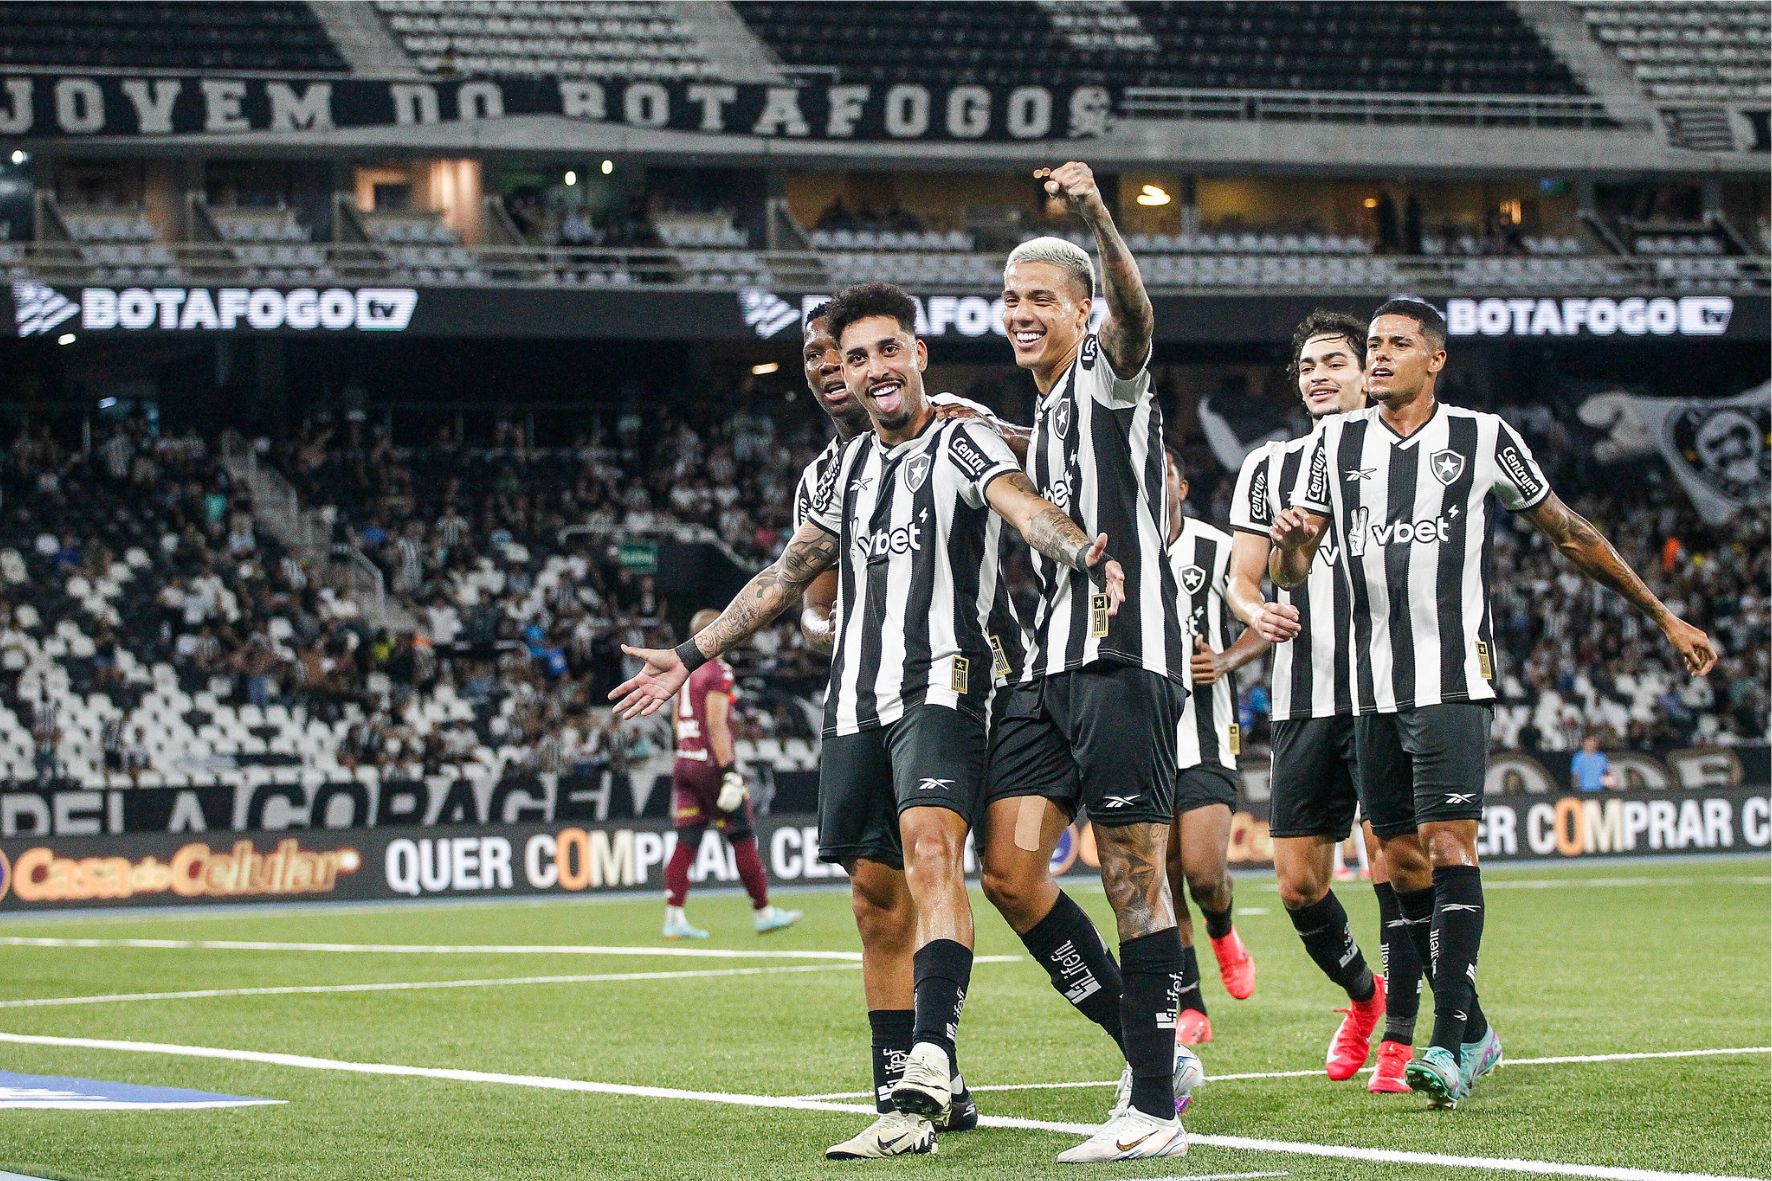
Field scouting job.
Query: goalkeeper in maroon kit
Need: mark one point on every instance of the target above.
(707, 790)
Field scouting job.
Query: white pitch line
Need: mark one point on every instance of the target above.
(1261, 1074)
(543, 1082)
(1187, 1177)
(717, 953)
(406, 986)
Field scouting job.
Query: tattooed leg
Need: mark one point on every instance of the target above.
(1132, 869)
(1133, 865)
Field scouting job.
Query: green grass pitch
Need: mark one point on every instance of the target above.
(1590, 960)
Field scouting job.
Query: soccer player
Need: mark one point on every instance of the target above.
(707, 789)
(878, 895)
(1313, 798)
(913, 511)
(824, 379)
(1404, 489)
(1092, 724)
(1207, 743)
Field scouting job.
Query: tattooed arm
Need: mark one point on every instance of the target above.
(810, 551)
(1126, 333)
(1050, 530)
(1590, 552)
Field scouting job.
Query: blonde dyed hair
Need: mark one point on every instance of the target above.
(1061, 253)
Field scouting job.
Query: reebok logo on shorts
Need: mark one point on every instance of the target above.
(927, 784)
(1460, 797)
(1119, 801)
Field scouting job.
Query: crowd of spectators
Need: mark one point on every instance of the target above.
(894, 219)
(520, 570)
(511, 546)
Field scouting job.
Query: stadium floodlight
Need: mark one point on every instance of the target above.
(571, 178)
(19, 155)
(1153, 195)
(608, 166)
(765, 369)
(66, 338)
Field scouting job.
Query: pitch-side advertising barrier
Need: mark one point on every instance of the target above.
(159, 869)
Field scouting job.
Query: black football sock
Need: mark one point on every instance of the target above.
(1418, 911)
(1218, 922)
(891, 1030)
(1457, 935)
(1151, 967)
(1329, 939)
(1078, 963)
(1478, 1025)
(1402, 967)
(1192, 996)
(942, 968)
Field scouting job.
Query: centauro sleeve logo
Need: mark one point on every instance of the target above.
(967, 456)
(824, 498)
(1316, 489)
(1522, 472)
(1258, 505)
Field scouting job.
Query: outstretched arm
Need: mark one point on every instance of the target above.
(1586, 547)
(1126, 333)
(1050, 530)
(811, 551)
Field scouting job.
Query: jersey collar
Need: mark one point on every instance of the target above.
(1407, 440)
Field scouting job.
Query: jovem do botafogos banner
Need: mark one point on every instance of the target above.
(38, 106)
(540, 859)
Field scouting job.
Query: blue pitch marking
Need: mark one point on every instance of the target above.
(85, 1094)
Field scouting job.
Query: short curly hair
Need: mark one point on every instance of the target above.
(871, 299)
(1323, 322)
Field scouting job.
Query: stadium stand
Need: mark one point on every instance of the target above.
(270, 243)
(1428, 48)
(556, 38)
(1689, 50)
(418, 246)
(151, 631)
(119, 244)
(204, 34)
(150, 634)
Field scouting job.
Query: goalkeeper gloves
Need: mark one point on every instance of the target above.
(732, 791)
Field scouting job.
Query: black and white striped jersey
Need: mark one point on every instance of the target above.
(1097, 453)
(1200, 559)
(813, 472)
(920, 577)
(1410, 519)
(1309, 675)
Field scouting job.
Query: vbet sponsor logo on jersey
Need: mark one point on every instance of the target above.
(1687, 315)
(39, 309)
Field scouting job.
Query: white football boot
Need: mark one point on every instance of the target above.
(893, 1134)
(926, 1088)
(1130, 1135)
